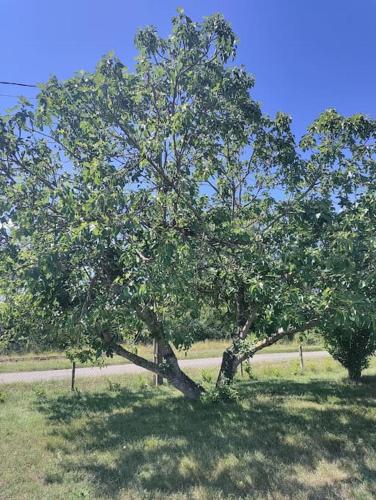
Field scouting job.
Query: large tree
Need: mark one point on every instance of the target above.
(102, 195)
(161, 202)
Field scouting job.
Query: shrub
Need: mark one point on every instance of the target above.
(352, 348)
(224, 392)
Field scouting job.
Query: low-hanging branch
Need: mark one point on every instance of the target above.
(275, 337)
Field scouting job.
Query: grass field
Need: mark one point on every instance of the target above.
(308, 436)
(56, 360)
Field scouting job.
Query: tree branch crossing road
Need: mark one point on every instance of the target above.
(129, 369)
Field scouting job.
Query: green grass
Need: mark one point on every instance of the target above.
(308, 436)
(56, 360)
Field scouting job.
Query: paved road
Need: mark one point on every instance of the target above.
(38, 376)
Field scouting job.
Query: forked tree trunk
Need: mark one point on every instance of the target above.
(232, 357)
(172, 372)
(168, 368)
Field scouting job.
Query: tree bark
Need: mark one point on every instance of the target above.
(232, 357)
(172, 372)
(188, 387)
(355, 374)
(168, 368)
(228, 368)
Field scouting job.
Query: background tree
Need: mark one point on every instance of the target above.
(283, 280)
(347, 241)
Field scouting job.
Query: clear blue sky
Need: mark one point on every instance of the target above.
(306, 55)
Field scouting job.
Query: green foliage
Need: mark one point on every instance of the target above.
(113, 386)
(163, 203)
(100, 192)
(224, 393)
(349, 280)
(352, 347)
(207, 377)
(39, 392)
(248, 370)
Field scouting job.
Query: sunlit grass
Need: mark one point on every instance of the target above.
(288, 436)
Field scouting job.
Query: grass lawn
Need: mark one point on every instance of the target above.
(288, 436)
(207, 349)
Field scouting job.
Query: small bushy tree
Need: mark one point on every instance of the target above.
(352, 347)
(347, 242)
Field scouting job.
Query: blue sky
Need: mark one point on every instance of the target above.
(306, 55)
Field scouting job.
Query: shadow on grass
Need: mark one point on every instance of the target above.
(157, 443)
(321, 391)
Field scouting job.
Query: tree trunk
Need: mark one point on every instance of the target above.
(355, 373)
(173, 373)
(232, 357)
(167, 365)
(168, 368)
(228, 368)
(185, 385)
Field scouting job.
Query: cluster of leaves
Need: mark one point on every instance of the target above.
(225, 393)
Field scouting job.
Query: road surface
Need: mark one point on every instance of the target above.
(129, 369)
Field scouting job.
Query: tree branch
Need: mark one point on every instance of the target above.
(272, 339)
(131, 356)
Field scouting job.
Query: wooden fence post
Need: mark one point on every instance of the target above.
(73, 375)
(301, 358)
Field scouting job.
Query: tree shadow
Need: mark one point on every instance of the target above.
(320, 391)
(157, 442)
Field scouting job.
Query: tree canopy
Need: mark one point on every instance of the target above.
(163, 203)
